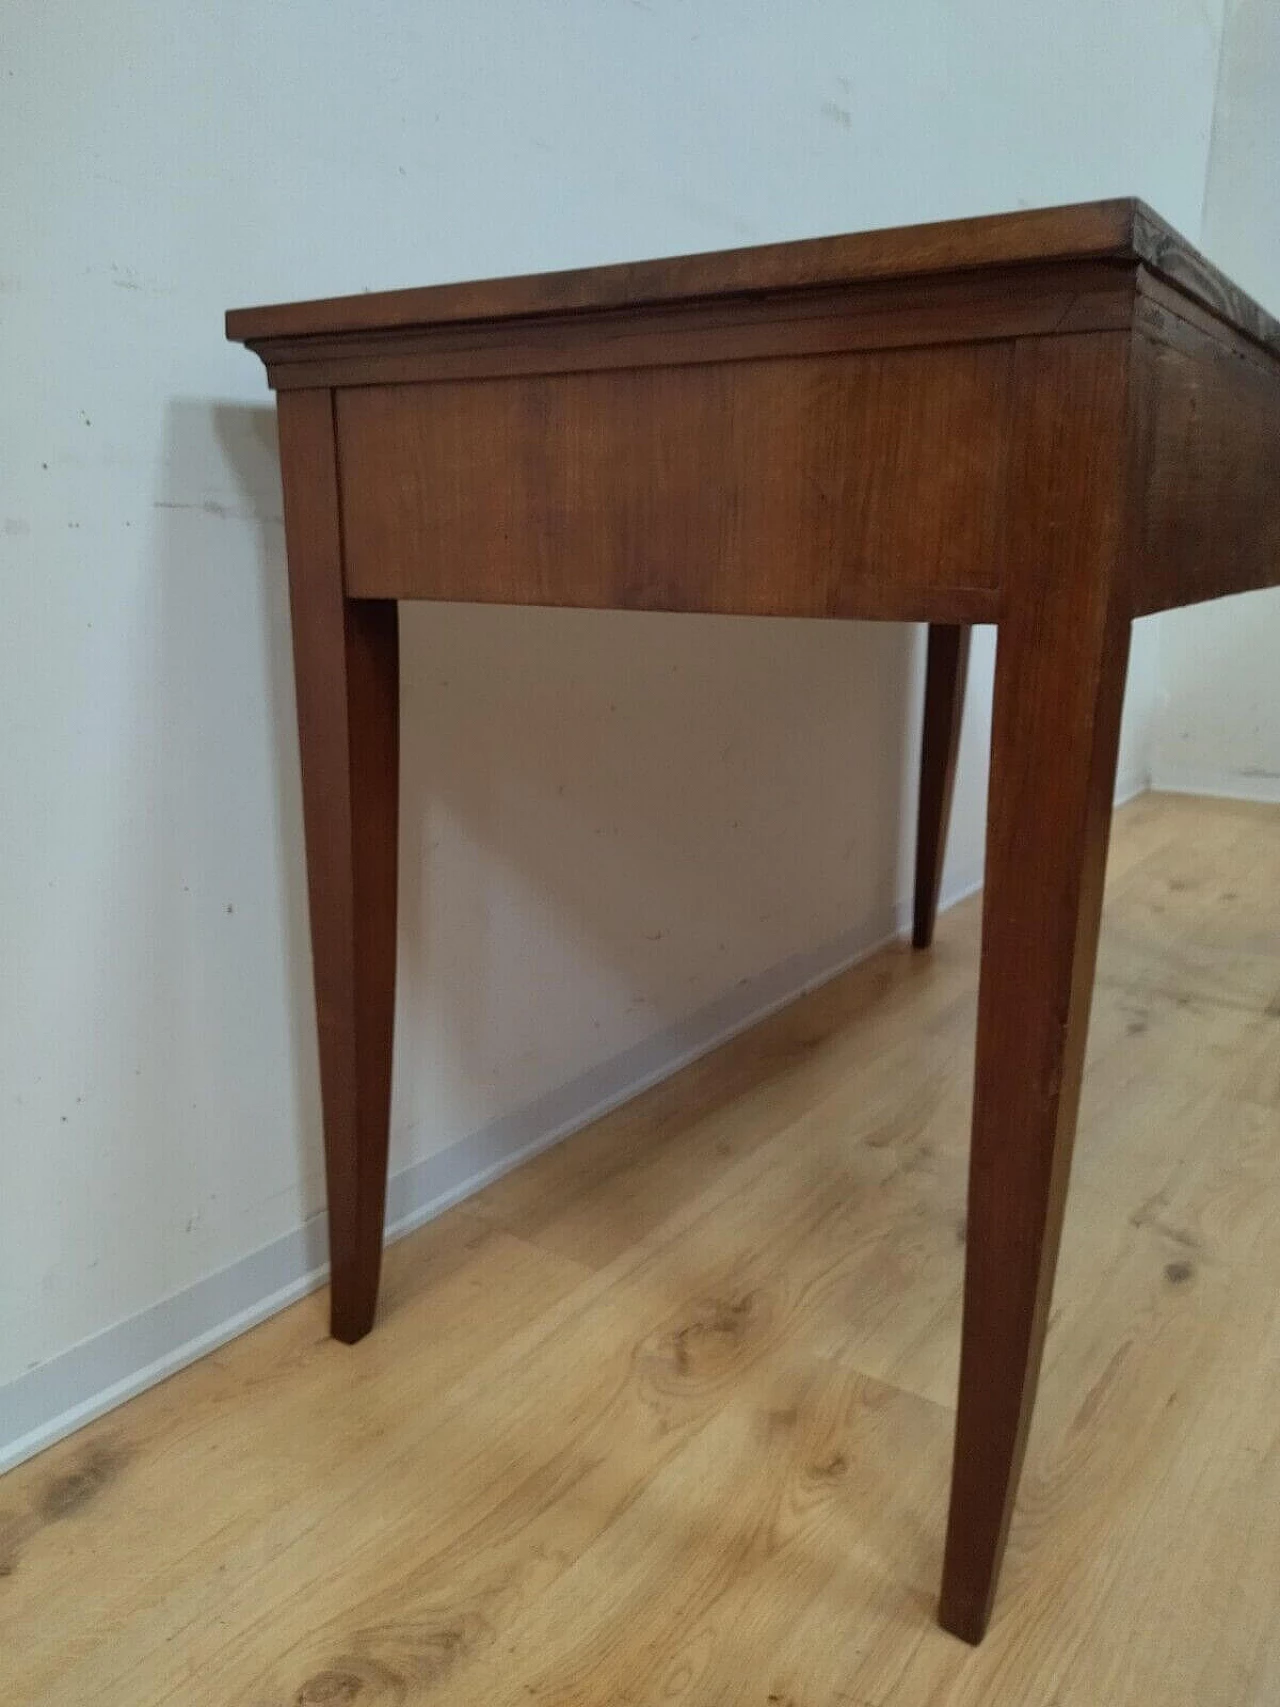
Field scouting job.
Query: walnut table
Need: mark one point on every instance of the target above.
(1054, 421)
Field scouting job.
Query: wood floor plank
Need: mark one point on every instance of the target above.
(665, 1416)
(246, 1447)
(644, 1356)
(788, 1494)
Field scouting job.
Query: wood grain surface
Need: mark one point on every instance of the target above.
(346, 670)
(1061, 661)
(860, 484)
(665, 1416)
(1208, 413)
(1123, 231)
(996, 302)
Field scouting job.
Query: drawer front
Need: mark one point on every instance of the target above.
(855, 484)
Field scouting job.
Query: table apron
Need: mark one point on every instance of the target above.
(869, 483)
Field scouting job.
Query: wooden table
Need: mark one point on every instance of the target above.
(1055, 421)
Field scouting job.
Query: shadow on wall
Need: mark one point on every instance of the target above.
(669, 806)
(607, 819)
(232, 1020)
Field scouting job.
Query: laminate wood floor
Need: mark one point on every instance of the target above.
(665, 1416)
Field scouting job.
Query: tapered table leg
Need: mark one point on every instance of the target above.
(346, 663)
(1060, 671)
(946, 673)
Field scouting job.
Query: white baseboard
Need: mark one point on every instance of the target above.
(1255, 785)
(1130, 785)
(52, 1400)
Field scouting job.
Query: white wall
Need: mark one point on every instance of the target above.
(610, 822)
(1217, 728)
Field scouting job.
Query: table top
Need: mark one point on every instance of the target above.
(1124, 232)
